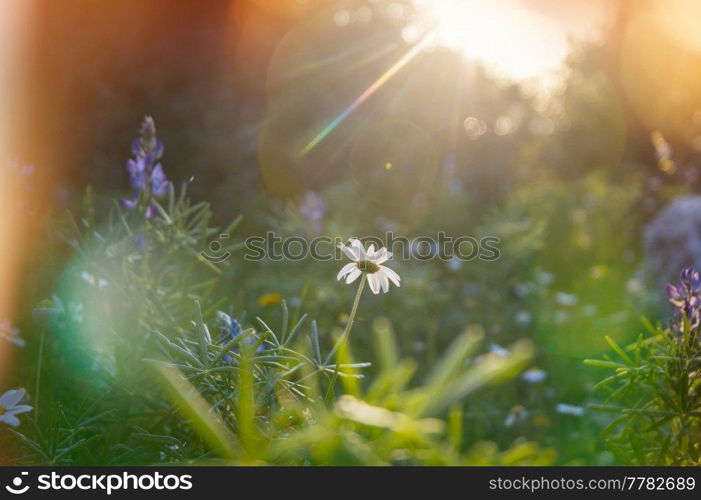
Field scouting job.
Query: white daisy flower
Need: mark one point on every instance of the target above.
(369, 262)
(9, 409)
(11, 334)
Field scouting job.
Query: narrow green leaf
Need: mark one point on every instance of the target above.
(624, 356)
(195, 408)
(204, 338)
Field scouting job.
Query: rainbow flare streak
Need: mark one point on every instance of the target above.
(384, 78)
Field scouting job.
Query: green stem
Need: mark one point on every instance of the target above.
(37, 387)
(344, 338)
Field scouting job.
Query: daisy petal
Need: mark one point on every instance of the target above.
(394, 277)
(374, 283)
(9, 420)
(353, 275)
(359, 250)
(16, 410)
(349, 251)
(384, 282)
(345, 270)
(11, 398)
(382, 256)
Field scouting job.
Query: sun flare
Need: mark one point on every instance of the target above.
(503, 34)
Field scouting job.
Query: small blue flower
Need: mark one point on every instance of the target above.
(159, 182)
(130, 204)
(137, 172)
(690, 279)
(230, 329)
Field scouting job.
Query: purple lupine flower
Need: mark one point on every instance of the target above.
(145, 174)
(147, 143)
(313, 209)
(685, 297)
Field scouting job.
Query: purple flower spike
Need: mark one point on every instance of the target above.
(313, 209)
(148, 142)
(145, 175)
(686, 299)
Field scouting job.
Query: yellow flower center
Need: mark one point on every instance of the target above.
(367, 267)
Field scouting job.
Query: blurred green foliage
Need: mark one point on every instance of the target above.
(95, 392)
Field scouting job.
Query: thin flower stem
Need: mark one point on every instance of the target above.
(40, 362)
(344, 338)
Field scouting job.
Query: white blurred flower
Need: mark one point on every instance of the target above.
(10, 333)
(454, 264)
(9, 407)
(499, 350)
(565, 299)
(566, 409)
(523, 317)
(545, 278)
(369, 262)
(523, 289)
(534, 376)
(560, 316)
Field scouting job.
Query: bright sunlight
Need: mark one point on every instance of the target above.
(507, 35)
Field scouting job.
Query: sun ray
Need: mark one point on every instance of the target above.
(381, 80)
